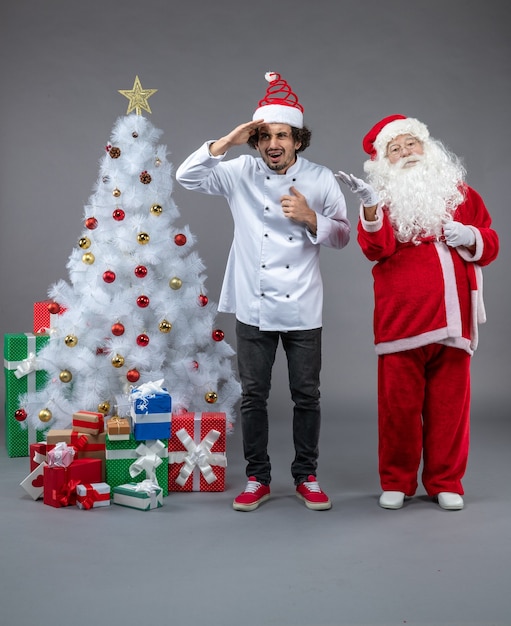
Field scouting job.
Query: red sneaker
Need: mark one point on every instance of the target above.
(310, 492)
(255, 494)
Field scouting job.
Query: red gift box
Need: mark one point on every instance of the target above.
(37, 453)
(87, 446)
(197, 458)
(60, 482)
(88, 422)
(43, 317)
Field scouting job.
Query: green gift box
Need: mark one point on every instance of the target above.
(143, 496)
(21, 377)
(130, 461)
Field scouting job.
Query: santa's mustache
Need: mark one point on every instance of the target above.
(413, 158)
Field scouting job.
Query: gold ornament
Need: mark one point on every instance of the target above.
(165, 326)
(116, 193)
(156, 209)
(211, 397)
(45, 415)
(157, 162)
(84, 243)
(88, 258)
(70, 340)
(117, 360)
(65, 376)
(104, 407)
(143, 238)
(175, 283)
(138, 97)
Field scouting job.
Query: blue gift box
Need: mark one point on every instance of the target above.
(151, 412)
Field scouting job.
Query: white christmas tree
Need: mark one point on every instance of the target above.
(137, 309)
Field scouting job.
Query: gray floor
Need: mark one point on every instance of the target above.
(196, 561)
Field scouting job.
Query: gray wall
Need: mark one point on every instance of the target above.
(351, 63)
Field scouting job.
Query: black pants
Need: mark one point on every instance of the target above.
(256, 351)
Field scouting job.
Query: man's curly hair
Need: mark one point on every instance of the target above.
(302, 135)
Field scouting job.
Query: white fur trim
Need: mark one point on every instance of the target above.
(408, 126)
(279, 114)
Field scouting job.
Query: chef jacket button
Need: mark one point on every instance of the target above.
(262, 295)
(287, 295)
(263, 265)
(294, 180)
(266, 208)
(266, 234)
(290, 238)
(287, 267)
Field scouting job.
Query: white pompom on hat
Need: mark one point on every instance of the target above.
(376, 141)
(280, 104)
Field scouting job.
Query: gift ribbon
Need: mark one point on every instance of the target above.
(24, 368)
(149, 458)
(67, 493)
(151, 488)
(91, 496)
(80, 424)
(145, 391)
(197, 455)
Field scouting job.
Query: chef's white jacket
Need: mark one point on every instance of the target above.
(272, 279)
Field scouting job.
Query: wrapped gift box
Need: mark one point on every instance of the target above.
(37, 454)
(143, 496)
(88, 422)
(131, 461)
(21, 377)
(60, 482)
(197, 459)
(92, 495)
(33, 484)
(151, 411)
(43, 318)
(118, 428)
(87, 446)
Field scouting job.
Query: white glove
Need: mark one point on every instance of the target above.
(365, 192)
(457, 234)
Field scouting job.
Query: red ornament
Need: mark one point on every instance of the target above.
(133, 375)
(20, 415)
(203, 300)
(109, 276)
(54, 308)
(118, 215)
(180, 239)
(195, 365)
(218, 334)
(143, 340)
(143, 301)
(91, 223)
(117, 329)
(140, 271)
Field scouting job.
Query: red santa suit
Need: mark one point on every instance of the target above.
(428, 303)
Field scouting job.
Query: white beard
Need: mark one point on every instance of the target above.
(420, 198)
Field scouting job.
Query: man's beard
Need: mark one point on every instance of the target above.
(422, 197)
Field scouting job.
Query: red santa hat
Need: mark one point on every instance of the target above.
(376, 141)
(280, 105)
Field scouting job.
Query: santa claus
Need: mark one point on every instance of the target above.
(429, 235)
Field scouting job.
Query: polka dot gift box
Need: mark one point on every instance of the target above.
(197, 459)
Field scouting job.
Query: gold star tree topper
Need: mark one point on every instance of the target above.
(138, 97)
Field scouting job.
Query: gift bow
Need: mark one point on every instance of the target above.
(61, 455)
(150, 487)
(147, 389)
(26, 366)
(91, 496)
(67, 493)
(197, 454)
(150, 457)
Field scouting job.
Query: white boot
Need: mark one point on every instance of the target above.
(450, 501)
(392, 499)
